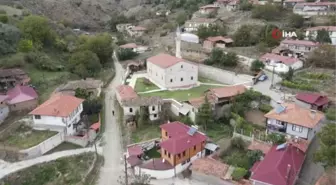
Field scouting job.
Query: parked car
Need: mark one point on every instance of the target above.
(262, 78)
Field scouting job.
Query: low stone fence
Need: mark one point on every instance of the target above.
(44, 147)
(81, 141)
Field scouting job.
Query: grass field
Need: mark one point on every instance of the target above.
(143, 85)
(145, 132)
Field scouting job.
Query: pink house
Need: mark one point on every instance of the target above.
(20, 98)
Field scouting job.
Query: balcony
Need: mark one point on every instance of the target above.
(276, 128)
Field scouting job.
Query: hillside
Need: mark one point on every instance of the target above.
(78, 13)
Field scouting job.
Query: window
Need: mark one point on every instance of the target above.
(69, 125)
(188, 160)
(131, 110)
(183, 162)
(181, 79)
(37, 116)
(179, 155)
(166, 134)
(181, 66)
(184, 153)
(169, 155)
(153, 108)
(297, 128)
(192, 78)
(155, 115)
(165, 152)
(171, 80)
(195, 147)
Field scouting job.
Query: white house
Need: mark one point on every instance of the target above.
(131, 102)
(294, 120)
(312, 32)
(194, 24)
(315, 8)
(134, 47)
(170, 72)
(4, 111)
(59, 113)
(281, 64)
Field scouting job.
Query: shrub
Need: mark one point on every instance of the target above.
(41, 61)
(4, 18)
(3, 12)
(265, 108)
(276, 138)
(318, 76)
(238, 143)
(295, 85)
(237, 159)
(18, 6)
(25, 45)
(126, 54)
(257, 65)
(254, 156)
(331, 114)
(16, 60)
(238, 173)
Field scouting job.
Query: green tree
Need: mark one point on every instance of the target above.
(126, 54)
(326, 153)
(254, 156)
(295, 21)
(181, 18)
(143, 117)
(289, 75)
(238, 173)
(82, 93)
(204, 116)
(37, 29)
(247, 35)
(230, 59)
(10, 36)
(267, 12)
(323, 56)
(257, 65)
(204, 32)
(84, 63)
(3, 18)
(25, 46)
(276, 138)
(323, 36)
(245, 5)
(215, 57)
(117, 19)
(100, 44)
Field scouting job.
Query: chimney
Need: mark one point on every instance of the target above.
(288, 173)
(312, 114)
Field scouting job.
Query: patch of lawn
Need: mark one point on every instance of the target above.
(182, 95)
(142, 85)
(153, 153)
(331, 114)
(207, 80)
(25, 137)
(65, 171)
(145, 132)
(63, 146)
(218, 131)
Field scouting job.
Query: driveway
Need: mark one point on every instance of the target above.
(112, 150)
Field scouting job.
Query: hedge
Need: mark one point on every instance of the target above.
(238, 173)
(295, 85)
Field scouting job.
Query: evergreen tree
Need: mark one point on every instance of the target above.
(323, 36)
(204, 116)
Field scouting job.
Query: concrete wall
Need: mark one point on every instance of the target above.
(223, 76)
(81, 141)
(156, 74)
(44, 147)
(4, 111)
(209, 179)
(181, 74)
(27, 105)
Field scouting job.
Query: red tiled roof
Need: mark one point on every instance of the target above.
(297, 115)
(328, 28)
(275, 168)
(228, 91)
(133, 160)
(20, 94)
(126, 92)
(300, 42)
(164, 60)
(220, 38)
(312, 98)
(180, 140)
(58, 105)
(134, 150)
(129, 46)
(284, 59)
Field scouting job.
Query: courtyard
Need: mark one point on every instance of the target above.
(143, 84)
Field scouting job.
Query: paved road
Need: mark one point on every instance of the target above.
(112, 150)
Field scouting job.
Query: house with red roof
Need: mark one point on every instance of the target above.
(312, 32)
(280, 166)
(20, 98)
(9, 78)
(136, 31)
(295, 121)
(59, 113)
(216, 42)
(134, 47)
(230, 5)
(299, 47)
(279, 63)
(169, 72)
(313, 100)
(315, 8)
(207, 9)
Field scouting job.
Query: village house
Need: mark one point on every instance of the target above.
(230, 5)
(60, 113)
(299, 47)
(281, 165)
(20, 98)
(136, 31)
(280, 64)
(313, 101)
(12, 77)
(293, 120)
(4, 111)
(170, 72)
(132, 103)
(291, 3)
(193, 24)
(315, 8)
(312, 32)
(216, 42)
(207, 9)
(123, 27)
(134, 47)
(92, 86)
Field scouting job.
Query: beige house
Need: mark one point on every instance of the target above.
(170, 72)
(299, 47)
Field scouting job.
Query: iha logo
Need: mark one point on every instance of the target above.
(278, 34)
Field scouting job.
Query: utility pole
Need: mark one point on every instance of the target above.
(126, 175)
(272, 77)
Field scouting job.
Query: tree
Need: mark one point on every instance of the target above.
(143, 117)
(276, 138)
(289, 75)
(84, 63)
(267, 12)
(323, 56)
(10, 36)
(181, 18)
(230, 59)
(92, 106)
(238, 173)
(212, 14)
(100, 44)
(82, 93)
(204, 32)
(126, 54)
(323, 36)
(326, 153)
(218, 57)
(254, 156)
(37, 29)
(3, 18)
(257, 65)
(247, 35)
(117, 19)
(204, 116)
(245, 5)
(295, 21)
(25, 45)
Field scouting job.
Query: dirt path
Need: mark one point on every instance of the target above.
(112, 150)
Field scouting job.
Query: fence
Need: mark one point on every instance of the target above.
(249, 136)
(44, 147)
(81, 141)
